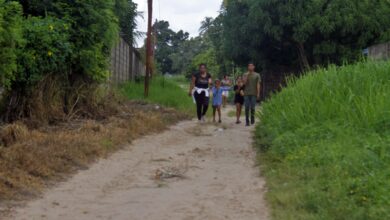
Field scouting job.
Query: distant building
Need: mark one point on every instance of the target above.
(378, 52)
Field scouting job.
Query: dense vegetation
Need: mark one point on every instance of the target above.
(278, 36)
(325, 141)
(55, 52)
(177, 53)
(10, 39)
(301, 34)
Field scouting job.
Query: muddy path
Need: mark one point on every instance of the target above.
(191, 171)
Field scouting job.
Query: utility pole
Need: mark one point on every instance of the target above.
(149, 50)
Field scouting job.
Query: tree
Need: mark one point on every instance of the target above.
(10, 40)
(209, 58)
(126, 10)
(303, 33)
(213, 34)
(94, 30)
(168, 42)
(182, 58)
(205, 25)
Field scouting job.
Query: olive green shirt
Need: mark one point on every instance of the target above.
(252, 79)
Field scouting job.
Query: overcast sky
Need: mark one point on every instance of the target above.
(182, 14)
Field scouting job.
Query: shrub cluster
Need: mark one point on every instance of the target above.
(60, 40)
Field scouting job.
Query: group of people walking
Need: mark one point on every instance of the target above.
(246, 89)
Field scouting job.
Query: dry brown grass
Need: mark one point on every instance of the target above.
(32, 158)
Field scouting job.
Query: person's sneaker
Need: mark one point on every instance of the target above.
(203, 119)
(247, 124)
(220, 121)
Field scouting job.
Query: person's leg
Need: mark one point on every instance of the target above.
(224, 100)
(204, 105)
(247, 107)
(205, 108)
(219, 114)
(199, 110)
(238, 112)
(253, 109)
(198, 106)
(214, 112)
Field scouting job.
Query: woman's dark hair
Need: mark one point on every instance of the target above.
(202, 64)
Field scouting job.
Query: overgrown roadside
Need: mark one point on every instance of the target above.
(32, 158)
(325, 145)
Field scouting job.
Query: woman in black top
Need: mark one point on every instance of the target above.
(199, 89)
(239, 98)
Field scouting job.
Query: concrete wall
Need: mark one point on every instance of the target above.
(126, 63)
(380, 51)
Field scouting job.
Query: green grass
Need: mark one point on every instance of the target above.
(180, 79)
(325, 145)
(165, 92)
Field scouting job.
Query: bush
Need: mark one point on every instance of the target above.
(10, 39)
(325, 141)
(46, 52)
(61, 45)
(94, 32)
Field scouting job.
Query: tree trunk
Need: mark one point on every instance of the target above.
(302, 57)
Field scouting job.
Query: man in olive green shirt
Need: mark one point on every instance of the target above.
(252, 93)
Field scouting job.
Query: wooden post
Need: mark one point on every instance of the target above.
(148, 49)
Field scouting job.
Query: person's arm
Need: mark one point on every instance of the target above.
(192, 85)
(228, 83)
(237, 90)
(245, 79)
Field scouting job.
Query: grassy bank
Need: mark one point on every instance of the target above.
(325, 143)
(165, 92)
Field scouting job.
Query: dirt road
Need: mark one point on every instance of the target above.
(191, 171)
